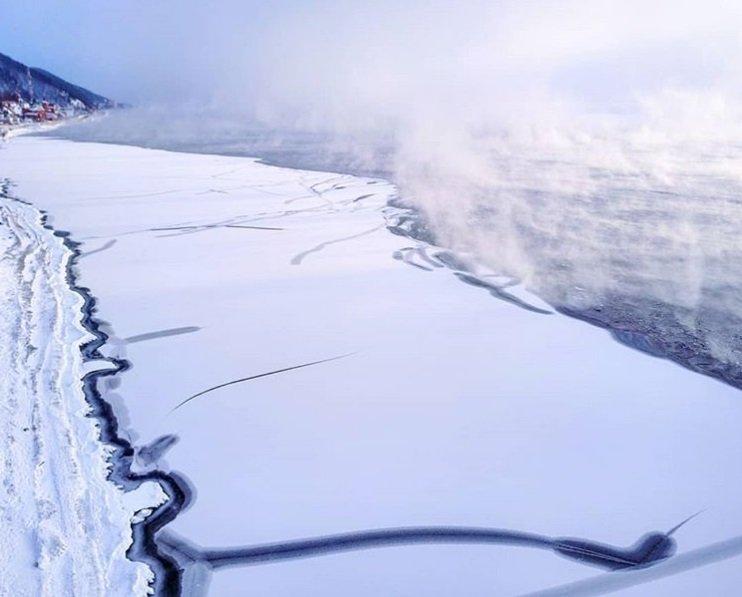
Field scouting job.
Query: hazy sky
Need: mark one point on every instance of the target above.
(357, 56)
(135, 49)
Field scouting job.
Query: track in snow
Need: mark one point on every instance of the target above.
(65, 527)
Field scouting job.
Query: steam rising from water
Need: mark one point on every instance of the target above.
(592, 150)
(635, 228)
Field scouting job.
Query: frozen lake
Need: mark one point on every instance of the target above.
(451, 408)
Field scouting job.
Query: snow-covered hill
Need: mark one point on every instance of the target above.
(22, 87)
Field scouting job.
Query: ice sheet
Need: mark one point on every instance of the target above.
(454, 407)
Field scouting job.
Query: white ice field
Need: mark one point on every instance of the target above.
(450, 408)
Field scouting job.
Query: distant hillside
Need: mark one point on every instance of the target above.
(36, 85)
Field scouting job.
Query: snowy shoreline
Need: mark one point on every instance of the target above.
(455, 408)
(174, 491)
(72, 489)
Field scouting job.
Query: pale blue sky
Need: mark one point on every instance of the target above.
(133, 49)
(383, 53)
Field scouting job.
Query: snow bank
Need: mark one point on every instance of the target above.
(65, 527)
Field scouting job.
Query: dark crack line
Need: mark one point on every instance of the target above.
(609, 583)
(161, 334)
(198, 228)
(319, 546)
(498, 292)
(301, 256)
(258, 376)
(103, 247)
(252, 227)
(649, 550)
(142, 196)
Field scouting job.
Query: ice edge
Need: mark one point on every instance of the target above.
(167, 573)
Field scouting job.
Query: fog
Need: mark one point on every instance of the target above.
(591, 150)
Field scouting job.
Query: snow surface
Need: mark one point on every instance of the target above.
(65, 527)
(453, 408)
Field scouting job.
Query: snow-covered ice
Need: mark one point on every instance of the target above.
(451, 408)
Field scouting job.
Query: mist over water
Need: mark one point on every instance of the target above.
(592, 152)
(637, 230)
